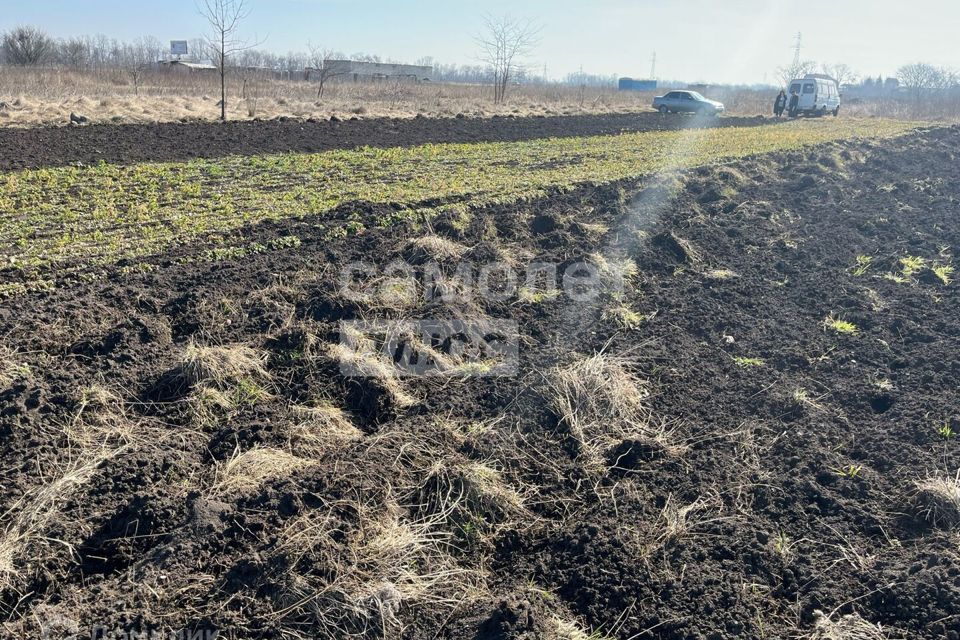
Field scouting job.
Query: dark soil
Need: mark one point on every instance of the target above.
(791, 502)
(132, 143)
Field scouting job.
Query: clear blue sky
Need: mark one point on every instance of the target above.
(695, 40)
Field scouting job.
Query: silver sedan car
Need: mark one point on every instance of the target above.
(687, 102)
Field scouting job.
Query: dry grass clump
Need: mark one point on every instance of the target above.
(279, 297)
(248, 470)
(680, 520)
(840, 325)
(395, 294)
(208, 405)
(624, 317)
(615, 271)
(220, 367)
(321, 428)
(677, 521)
(593, 230)
(721, 274)
(100, 421)
(936, 500)
(472, 493)
(449, 288)
(532, 295)
(358, 356)
(601, 402)
(433, 248)
(10, 369)
(220, 380)
(24, 523)
(360, 363)
(98, 399)
(375, 565)
(567, 630)
(848, 627)
(99, 431)
(454, 359)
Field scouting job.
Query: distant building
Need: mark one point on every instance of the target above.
(186, 67)
(358, 71)
(630, 84)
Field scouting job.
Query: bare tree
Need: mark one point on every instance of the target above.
(27, 46)
(75, 53)
(137, 58)
(503, 46)
(948, 78)
(225, 17)
(796, 70)
(199, 49)
(840, 72)
(919, 78)
(323, 68)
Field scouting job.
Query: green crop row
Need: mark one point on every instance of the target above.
(96, 215)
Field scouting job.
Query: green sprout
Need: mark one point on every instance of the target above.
(851, 471)
(863, 263)
(944, 273)
(841, 326)
(912, 265)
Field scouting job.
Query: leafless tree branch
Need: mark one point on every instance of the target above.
(224, 17)
(322, 67)
(503, 46)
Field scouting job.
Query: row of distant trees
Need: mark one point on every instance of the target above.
(918, 79)
(30, 46)
(504, 45)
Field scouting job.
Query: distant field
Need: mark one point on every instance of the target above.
(58, 218)
(35, 97)
(48, 96)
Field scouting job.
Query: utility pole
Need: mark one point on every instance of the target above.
(653, 66)
(796, 50)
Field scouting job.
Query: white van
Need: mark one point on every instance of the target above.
(818, 96)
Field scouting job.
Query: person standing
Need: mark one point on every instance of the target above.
(794, 103)
(780, 104)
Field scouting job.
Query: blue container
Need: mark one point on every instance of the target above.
(629, 84)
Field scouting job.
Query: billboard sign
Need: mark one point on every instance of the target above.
(178, 47)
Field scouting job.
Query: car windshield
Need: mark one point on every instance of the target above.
(696, 96)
